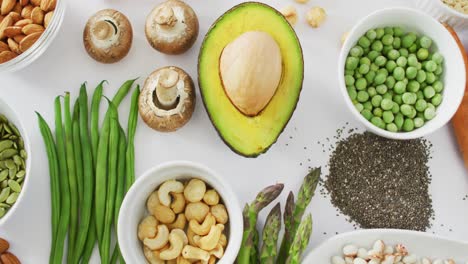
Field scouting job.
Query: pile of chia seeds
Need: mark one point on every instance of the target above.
(381, 183)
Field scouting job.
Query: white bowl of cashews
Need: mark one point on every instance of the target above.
(146, 222)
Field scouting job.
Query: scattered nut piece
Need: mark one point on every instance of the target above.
(316, 16)
(302, 1)
(290, 14)
(195, 190)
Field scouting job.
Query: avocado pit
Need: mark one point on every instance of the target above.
(251, 70)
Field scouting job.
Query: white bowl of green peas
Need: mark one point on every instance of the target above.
(15, 161)
(401, 73)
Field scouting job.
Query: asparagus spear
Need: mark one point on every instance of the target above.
(270, 236)
(249, 245)
(306, 192)
(301, 240)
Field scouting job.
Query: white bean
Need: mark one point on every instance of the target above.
(350, 250)
(359, 261)
(337, 260)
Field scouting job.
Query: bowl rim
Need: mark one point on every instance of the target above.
(24, 189)
(417, 133)
(234, 209)
(451, 10)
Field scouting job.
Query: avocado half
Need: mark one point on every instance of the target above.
(250, 136)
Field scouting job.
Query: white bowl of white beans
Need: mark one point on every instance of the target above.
(453, 76)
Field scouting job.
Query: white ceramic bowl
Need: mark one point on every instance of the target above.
(444, 13)
(419, 243)
(13, 117)
(133, 207)
(38, 48)
(454, 68)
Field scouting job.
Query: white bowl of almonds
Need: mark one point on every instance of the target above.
(27, 28)
(181, 212)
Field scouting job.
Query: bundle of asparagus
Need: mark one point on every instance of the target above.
(297, 231)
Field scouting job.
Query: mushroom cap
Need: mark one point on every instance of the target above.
(185, 29)
(167, 120)
(108, 52)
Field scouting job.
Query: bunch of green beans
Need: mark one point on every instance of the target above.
(90, 172)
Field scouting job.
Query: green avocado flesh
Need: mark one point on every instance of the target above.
(250, 136)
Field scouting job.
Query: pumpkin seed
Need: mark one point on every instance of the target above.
(12, 198)
(20, 181)
(12, 173)
(8, 153)
(4, 205)
(10, 164)
(2, 212)
(7, 128)
(17, 160)
(23, 154)
(5, 144)
(4, 184)
(20, 174)
(3, 175)
(14, 186)
(3, 119)
(2, 164)
(4, 194)
(15, 129)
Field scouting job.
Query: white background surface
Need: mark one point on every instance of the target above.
(65, 65)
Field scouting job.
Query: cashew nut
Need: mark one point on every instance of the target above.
(182, 260)
(212, 260)
(160, 240)
(197, 211)
(210, 241)
(152, 256)
(170, 186)
(220, 213)
(190, 236)
(171, 261)
(195, 190)
(182, 234)
(204, 228)
(147, 227)
(316, 16)
(218, 251)
(191, 252)
(152, 202)
(178, 202)
(179, 223)
(177, 243)
(211, 197)
(223, 240)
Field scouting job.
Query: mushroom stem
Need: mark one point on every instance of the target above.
(166, 89)
(165, 17)
(103, 29)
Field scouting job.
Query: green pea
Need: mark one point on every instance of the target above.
(374, 67)
(390, 66)
(373, 54)
(413, 86)
(412, 60)
(381, 89)
(388, 30)
(437, 99)
(364, 60)
(378, 122)
(371, 91)
(420, 94)
(408, 40)
(395, 109)
(364, 42)
(411, 72)
(370, 76)
(399, 119)
(377, 112)
(367, 114)
(380, 61)
(349, 80)
(380, 78)
(371, 34)
(431, 66)
(352, 63)
(430, 77)
(418, 122)
(419, 66)
(356, 51)
(437, 58)
(357, 75)
(439, 70)
(413, 48)
(438, 86)
(409, 98)
(367, 105)
(402, 61)
(406, 109)
(425, 42)
(359, 107)
(387, 39)
(404, 52)
(399, 73)
(349, 72)
(429, 92)
(352, 93)
(380, 32)
(398, 31)
(392, 127)
(388, 95)
(393, 54)
(386, 49)
(400, 87)
(390, 82)
(408, 125)
(405, 80)
(364, 69)
(388, 117)
(362, 96)
(361, 84)
(376, 100)
(420, 105)
(377, 46)
(422, 54)
(429, 113)
(386, 104)
(421, 76)
(396, 42)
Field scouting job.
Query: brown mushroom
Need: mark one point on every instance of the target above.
(167, 99)
(172, 27)
(108, 36)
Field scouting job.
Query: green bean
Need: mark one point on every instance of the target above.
(112, 180)
(90, 241)
(95, 103)
(122, 92)
(88, 174)
(54, 179)
(72, 178)
(64, 186)
(130, 153)
(77, 148)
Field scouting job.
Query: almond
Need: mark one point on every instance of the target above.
(13, 46)
(32, 28)
(23, 22)
(35, 2)
(8, 258)
(24, 2)
(48, 5)
(19, 38)
(29, 40)
(14, 16)
(3, 47)
(7, 6)
(12, 31)
(4, 245)
(37, 16)
(48, 18)
(17, 8)
(7, 21)
(4, 57)
(1, 18)
(26, 12)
